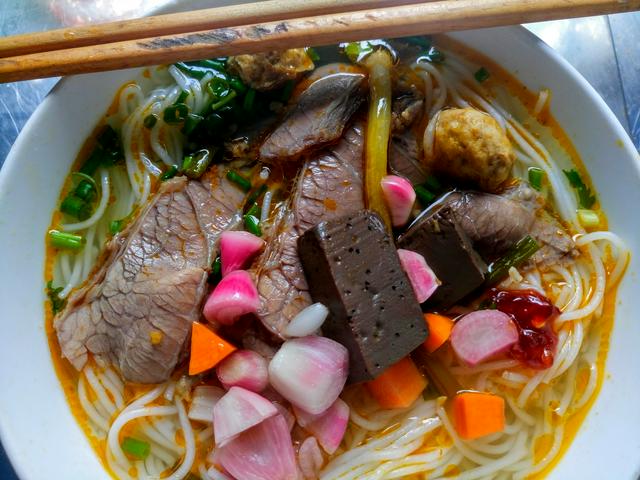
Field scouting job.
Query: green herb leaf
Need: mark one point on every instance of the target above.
(586, 198)
(481, 75)
(313, 55)
(57, 303)
(356, 51)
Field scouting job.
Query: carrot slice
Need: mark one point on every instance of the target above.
(398, 386)
(207, 349)
(439, 331)
(476, 414)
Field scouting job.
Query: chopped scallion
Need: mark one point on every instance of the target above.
(57, 303)
(421, 41)
(224, 100)
(254, 196)
(515, 256)
(432, 184)
(424, 195)
(481, 75)
(254, 210)
(252, 224)
(536, 177)
(138, 449)
(176, 113)
(150, 121)
(68, 241)
(76, 207)
(239, 180)
(249, 99)
(588, 218)
(115, 226)
(586, 198)
(356, 51)
(169, 173)
(433, 55)
(191, 122)
(237, 85)
(85, 190)
(195, 165)
(216, 271)
(287, 90)
(218, 88)
(182, 97)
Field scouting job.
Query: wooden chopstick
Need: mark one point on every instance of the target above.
(397, 21)
(184, 22)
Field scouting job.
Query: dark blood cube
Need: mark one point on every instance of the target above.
(448, 252)
(352, 267)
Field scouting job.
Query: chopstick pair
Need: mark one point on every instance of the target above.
(264, 26)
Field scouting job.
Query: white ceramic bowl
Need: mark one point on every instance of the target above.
(37, 429)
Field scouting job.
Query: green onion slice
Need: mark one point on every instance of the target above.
(67, 241)
(175, 113)
(481, 75)
(195, 165)
(424, 195)
(86, 177)
(586, 198)
(115, 226)
(76, 207)
(312, 54)
(169, 174)
(224, 100)
(252, 224)
(150, 121)
(239, 180)
(136, 448)
(588, 218)
(515, 256)
(57, 303)
(249, 99)
(536, 177)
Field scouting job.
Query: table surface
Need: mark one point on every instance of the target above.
(605, 50)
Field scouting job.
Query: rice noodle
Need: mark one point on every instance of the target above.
(378, 443)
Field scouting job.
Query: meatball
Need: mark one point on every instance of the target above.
(470, 146)
(266, 71)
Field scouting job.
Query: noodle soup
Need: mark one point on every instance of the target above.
(281, 149)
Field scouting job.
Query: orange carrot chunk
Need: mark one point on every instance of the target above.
(398, 386)
(207, 349)
(476, 414)
(439, 331)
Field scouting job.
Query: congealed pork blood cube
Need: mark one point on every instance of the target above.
(448, 252)
(352, 266)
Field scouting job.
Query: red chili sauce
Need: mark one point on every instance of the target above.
(533, 314)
